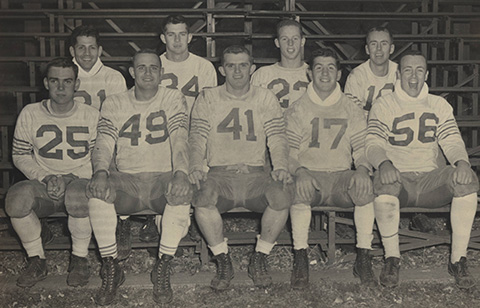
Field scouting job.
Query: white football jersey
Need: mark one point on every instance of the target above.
(189, 76)
(100, 82)
(46, 143)
(288, 84)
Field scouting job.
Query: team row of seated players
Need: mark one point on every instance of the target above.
(252, 118)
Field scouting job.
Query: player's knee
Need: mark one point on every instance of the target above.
(206, 196)
(20, 199)
(278, 197)
(360, 200)
(179, 200)
(76, 202)
(385, 189)
(460, 190)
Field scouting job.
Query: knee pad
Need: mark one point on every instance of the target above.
(278, 197)
(206, 196)
(20, 199)
(76, 201)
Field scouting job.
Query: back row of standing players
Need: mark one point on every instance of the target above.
(158, 157)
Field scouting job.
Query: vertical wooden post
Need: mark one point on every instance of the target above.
(210, 29)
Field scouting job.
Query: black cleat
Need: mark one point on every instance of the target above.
(422, 223)
(160, 276)
(299, 279)
(363, 268)
(459, 270)
(46, 234)
(257, 270)
(78, 271)
(124, 239)
(224, 274)
(149, 232)
(112, 277)
(35, 271)
(390, 275)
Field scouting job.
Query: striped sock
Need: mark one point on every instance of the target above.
(103, 218)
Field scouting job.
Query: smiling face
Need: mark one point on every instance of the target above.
(176, 39)
(290, 42)
(146, 71)
(237, 69)
(61, 85)
(86, 51)
(379, 47)
(324, 75)
(413, 74)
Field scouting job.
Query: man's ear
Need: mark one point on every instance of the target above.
(366, 50)
(221, 69)
(45, 83)
(132, 72)
(190, 36)
(162, 38)
(398, 74)
(426, 75)
(77, 84)
(72, 51)
(303, 41)
(339, 75)
(252, 68)
(277, 43)
(392, 48)
(100, 51)
(309, 74)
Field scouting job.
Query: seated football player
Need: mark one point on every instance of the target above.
(51, 146)
(232, 125)
(147, 126)
(405, 129)
(326, 133)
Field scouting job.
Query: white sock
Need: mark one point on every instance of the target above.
(462, 214)
(175, 223)
(263, 246)
(387, 213)
(81, 232)
(29, 229)
(104, 223)
(300, 215)
(220, 248)
(364, 217)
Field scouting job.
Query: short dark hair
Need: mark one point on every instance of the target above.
(62, 62)
(289, 22)
(84, 31)
(324, 52)
(174, 19)
(236, 49)
(379, 29)
(411, 52)
(145, 51)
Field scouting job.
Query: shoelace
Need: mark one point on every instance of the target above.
(261, 264)
(107, 282)
(163, 275)
(462, 268)
(366, 264)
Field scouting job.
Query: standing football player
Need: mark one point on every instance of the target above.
(405, 130)
(326, 133)
(288, 78)
(232, 125)
(376, 76)
(147, 126)
(51, 146)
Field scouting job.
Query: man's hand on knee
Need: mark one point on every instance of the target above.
(55, 186)
(180, 185)
(306, 184)
(282, 176)
(388, 173)
(196, 177)
(462, 174)
(99, 185)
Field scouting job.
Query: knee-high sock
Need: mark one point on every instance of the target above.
(158, 223)
(364, 217)
(175, 223)
(81, 232)
(462, 214)
(387, 213)
(300, 215)
(29, 229)
(104, 223)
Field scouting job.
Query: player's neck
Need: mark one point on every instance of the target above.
(237, 92)
(61, 108)
(145, 94)
(379, 70)
(291, 63)
(177, 57)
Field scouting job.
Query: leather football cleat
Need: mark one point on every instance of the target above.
(459, 270)
(224, 274)
(160, 276)
(363, 268)
(300, 274)
(112, 277)
(390, 275)
(35, 271)
(78, 271)
(124, 239)
(257, 270)
(148, 232)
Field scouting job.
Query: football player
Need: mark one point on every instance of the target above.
(51, 146)
(288, 78)
(147, 126)
(232, 125)
(326, 133)
(405, 130)
(376, 76)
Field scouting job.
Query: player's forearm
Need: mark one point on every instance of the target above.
(102, 152)
(179, 146)
(29, 167)
(278, 149)
(375, 154)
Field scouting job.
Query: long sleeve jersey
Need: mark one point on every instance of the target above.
(190, 76)
(46, 143)
(326, 138)
(408, 132)
(288, 84)
(236, 130)
(100, 82)
(364, 87)
(149, 136)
